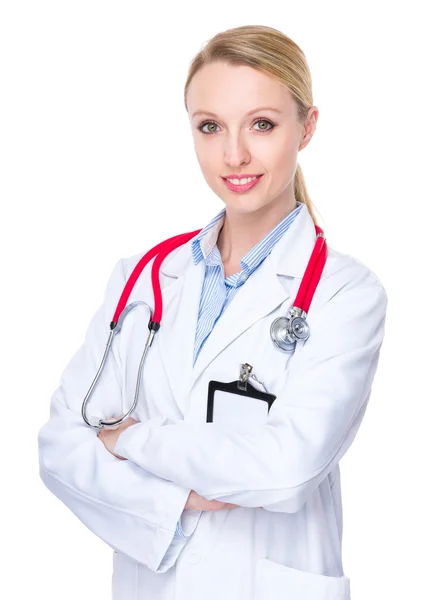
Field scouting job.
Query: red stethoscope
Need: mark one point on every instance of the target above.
(285, 331)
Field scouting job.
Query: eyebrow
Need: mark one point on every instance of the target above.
(251, 112)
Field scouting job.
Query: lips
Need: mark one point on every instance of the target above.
(242, 188)
(235, 176)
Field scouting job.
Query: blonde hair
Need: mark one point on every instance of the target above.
(270, 51)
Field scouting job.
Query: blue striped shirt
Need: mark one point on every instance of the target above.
(218, 290)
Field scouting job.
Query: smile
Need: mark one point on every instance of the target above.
(242, 185)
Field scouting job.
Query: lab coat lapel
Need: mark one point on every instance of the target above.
(176, 336)
(263, 292)
(258, 296)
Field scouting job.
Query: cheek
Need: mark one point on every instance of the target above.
(276, 150)
(209, 172)
(282, 160)
(207, 158)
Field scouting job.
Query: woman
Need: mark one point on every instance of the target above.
(192, 509)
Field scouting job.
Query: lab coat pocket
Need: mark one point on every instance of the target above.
(275, 581)
(124, 577)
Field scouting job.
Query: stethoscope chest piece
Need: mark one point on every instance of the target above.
(286, 331)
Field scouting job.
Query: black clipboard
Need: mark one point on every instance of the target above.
(232, 388)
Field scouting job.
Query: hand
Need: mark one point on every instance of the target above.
(109, 437)
(197, 502)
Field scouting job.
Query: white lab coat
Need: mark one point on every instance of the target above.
(284, 539)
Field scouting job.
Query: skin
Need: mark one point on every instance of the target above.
(109, 437)
(236, 142)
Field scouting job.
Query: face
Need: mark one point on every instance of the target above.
(239, 139)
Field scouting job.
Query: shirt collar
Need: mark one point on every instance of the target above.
(205, 241)
(203, 245)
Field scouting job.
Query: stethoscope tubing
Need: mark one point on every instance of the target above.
(312, 273)
(287, 331)
(160, 252)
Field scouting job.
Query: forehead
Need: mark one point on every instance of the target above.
(229, 90)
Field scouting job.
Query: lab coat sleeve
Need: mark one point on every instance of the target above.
(310, 425)
(134, 511)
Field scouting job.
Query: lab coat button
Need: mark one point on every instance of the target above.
(194, 557)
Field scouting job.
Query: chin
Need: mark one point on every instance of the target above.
(245, 205)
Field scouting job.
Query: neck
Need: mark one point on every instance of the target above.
(241, 232)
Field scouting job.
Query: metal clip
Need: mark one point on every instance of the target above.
(253, 376)
(245, 370)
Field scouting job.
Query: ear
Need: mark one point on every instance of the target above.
(309, 126)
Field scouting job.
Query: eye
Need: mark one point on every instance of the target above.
(264, 121)
(200, 128)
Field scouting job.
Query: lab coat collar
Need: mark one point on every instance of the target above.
(263, 292)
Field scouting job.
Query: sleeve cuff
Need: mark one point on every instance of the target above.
(179, 530)
(189, 521)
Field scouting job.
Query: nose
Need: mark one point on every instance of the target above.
(236, 152)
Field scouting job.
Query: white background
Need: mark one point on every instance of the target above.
(97, 163)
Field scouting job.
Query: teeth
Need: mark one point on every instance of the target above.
(242, 181)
